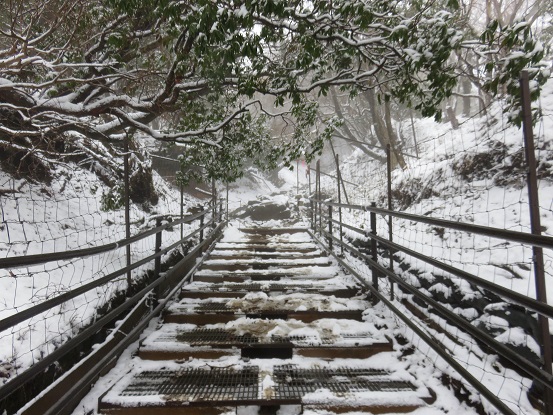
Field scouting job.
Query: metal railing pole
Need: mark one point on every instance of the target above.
(338, 180)
(390, 219)
(126, 173)
(330, 244)
(181, 211)
(374, 252)
(157, 261)
(539, 271)
(201, 232)
(318, 189)
(311, 213)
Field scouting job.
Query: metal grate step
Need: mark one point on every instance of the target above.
(235, 290)
(293, 383)
(209, 387)
(198, 385)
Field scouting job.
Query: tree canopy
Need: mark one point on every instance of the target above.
(77, 76)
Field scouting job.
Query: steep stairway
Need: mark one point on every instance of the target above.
(268, 321)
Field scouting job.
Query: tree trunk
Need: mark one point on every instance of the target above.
(382, 133)
(452, 118)
(466, 85)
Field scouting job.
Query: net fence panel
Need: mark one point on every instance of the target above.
(66, 215)
(475, 174)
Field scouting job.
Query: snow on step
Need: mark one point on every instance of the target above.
(267, 247)
(194, 386)
(246, 263)
(306, 307)
(236, 338)
(247, 254)
(328, 338)
(336, 287)
(301, 273)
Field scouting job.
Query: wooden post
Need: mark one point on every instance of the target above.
(539, 271)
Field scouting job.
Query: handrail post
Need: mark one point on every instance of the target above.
(374, 252)
(201, 232)
(535, 222)
(338, 180)
(330, 244)
(126, 172)
(390, 218)
(220, 210)
(181, 211)
(227, 203)
(157, 260)
(311, 213)
(318, 190)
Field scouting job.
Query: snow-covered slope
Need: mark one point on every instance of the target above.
(66, 215)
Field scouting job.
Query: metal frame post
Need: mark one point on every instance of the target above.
(390, 219)
(330, 244)
(338, 180)
(157, 260)
(181, 211)
(126, 172)
(318, 190)
(533, 198)
(309, 178)
(201, 233)
(374, 252)
(297, 176)
(311, 213)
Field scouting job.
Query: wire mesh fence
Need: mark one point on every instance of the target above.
(66, 215)
(474, 174)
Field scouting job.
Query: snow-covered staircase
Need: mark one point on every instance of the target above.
(268, 321)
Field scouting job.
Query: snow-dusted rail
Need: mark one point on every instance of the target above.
(426, 311)
(199, 240)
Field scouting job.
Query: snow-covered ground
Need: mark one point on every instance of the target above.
(475, 174)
